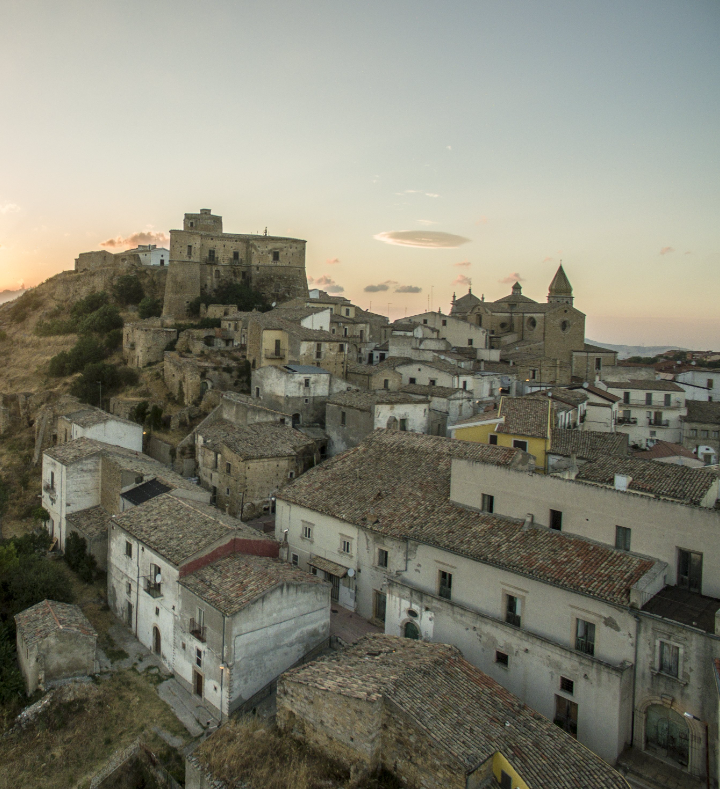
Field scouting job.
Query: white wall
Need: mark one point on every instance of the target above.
(117, 433)
(415, 414)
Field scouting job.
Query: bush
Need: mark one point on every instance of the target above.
(128, 289)
(245, 297)
(91, 303)
(59, 364)
(78, 559)
(113, 340)
(101, 321)
(40, 514)
(25, 304)
(55, 327)
(111, 378)
(150, 308)
(85, 351)
(155, 419)
(140, 412)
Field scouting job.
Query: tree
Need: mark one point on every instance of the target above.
(155, 418)
(91, 303)
(150, 308)
(113, 340)
(77, 557)
(128, 289)
(140, 412)
(101, 321)
(41, 515)
(110, 377)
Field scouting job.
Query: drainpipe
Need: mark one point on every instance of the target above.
(137, 589)
(632, 717)
(223, 669)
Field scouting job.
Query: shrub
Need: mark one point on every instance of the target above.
(140, 412)
(59, 364)
(245, 297)
(128, 289)
(155, 419)
(40, 514)
(3, 335)
(101, 321)
(55, 327)
(25, 304)
(113, 340)
(150, 308)
(91, 303)
(78, 559)
(99, 375)
(87, 350)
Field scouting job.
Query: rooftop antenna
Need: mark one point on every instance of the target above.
(432, 294)
(266, 231)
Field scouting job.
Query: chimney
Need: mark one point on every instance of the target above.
(529, 522)
(622, 481)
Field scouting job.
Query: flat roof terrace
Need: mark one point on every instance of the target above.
(685, 607)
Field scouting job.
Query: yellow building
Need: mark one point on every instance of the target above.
(521, 422)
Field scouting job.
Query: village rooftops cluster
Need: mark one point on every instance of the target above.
(523, 416)
(231, 583)
(271, 320)
(398, 484)
(366, 401)
(664, 480)
(178, 529)
(259, 440)
(588, 444)
(39, 621)
(465, 711)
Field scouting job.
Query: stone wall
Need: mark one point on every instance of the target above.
(90, 260)
(145, 344)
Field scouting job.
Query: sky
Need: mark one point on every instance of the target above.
(419, 147)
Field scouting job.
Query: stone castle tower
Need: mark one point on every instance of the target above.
(202, 257)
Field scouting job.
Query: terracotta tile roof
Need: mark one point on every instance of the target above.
(587, 444)
(665, 480)
(436, 391)
(92, 522)
(178, 529)
(700, 411)
(39, 621)
(645, 385)
(273, 320)
(438, 364)
(366, 401)
(525, 417)
(258, 440)
(588, 348)
(664, 449)
(233, 582)
(328, 566)
(602, 393)
(399, 484)
(392, 362)
(87, 417)
(463, 710)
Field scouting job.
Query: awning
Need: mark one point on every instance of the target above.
(328, 566)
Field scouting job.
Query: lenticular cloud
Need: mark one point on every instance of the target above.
(421, 238)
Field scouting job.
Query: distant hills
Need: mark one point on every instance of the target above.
(626, 351)
(9, 295)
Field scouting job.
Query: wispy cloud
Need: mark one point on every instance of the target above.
(141, 237)
(462, 264)
(461, 279)
(408, 289)
(327, 283)
(9, 208)
(380, 287)
(430, 239)
(688, 252)
(483, 220)
(426, 222)
(666, 250)
(511, 279)
(332, 261)
(548, 260)
(417, 192)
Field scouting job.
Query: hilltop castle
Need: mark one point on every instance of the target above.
(202, 257)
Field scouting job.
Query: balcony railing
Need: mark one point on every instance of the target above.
(513, 619)
(48, 488)
(153, 589)
(627, 420)
(275, 353)
(585, 645)
(197, 630)
(659, 422)
(654, 404)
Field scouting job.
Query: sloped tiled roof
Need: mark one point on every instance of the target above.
(398, 484)
(700, 411)
(258, 440)
(646, 385)
(233, 582)
(87, 417)
(366, 401)
(686, 485)
(664, 449)
(467, 713)
(39, 621)
(609, 396)
(525, 417)
(435, 391)
(92, 522)
(587, 444)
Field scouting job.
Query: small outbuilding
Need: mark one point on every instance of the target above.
(54, 641)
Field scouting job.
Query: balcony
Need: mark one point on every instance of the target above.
(655, 404)
(275, 353)
(197, 630)
(48, 488)
(627, 420)
(153, 589)
(659, 422)
(585, 646)
(513, 619)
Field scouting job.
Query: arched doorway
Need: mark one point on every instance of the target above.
(295, 420)
(667, 733)
(156, 640)
(392, 423)
(411, 630)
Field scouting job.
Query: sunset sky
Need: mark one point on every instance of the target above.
(416, 145)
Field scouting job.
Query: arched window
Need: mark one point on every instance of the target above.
(412, 631)
(666, 734)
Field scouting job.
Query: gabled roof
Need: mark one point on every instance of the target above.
(436, 391)
(525, 416)
(92, 522)
(700, 411)
(587, 444)
(465, 712)
(254, 441)
(40, 620)
(366, 401)
(87, 417)
(602, 393)
(664, 449)
(645, 385)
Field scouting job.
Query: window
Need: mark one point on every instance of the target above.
(413, 380)
(157, 611)
(386, 383)
(689, 570)
(502, 658)
(585, 637)
(598, 363)
(704, 434)
(693, 433)
(444, 323)
(291, 475)
(236, 257)
(669, 659)
(567, 685)
(189, 250)
(382, 560)
(566, 715)
(227, 491)
(488, 503)
(347, 311)
(345, 546)
(380, 606)
(412, 631)
(533, 374)
(307, 383)
(128, 588)
(128, 548)
(513, 610)
(433, 382)
(295, 559)
(505, 780)
(342, 418)
(276, 256)
(307, 531)
(277, 348)
(668, 400)
(626, 397)
(198, 657)
(470, 342)
(464, 386)
(556, 520)
(492, 439)
(257, 391)
(424, 321)
(403, 424)
(211, 255)
(710, 383)
(518, 444)
(341, 348)
(622, 538)
(345, 332)
(228, 468)
(318, 350)
(648, 398)
(445, 586)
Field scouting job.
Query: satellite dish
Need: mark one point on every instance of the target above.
(351, 573)
(586, 385)
(158, 578)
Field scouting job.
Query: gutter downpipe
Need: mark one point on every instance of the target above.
(223, 669)
(632, 717)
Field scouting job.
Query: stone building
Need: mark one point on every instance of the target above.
(91, 260)
(601, 409)
(90, 422)
(243, 620)
(370, 376)
(427, 715)
(92, 525)
(458, 332)
(298, 389)
(55, 641)
(202, 257)
(245, 466)
(351, 416)
(447, 406)
(145, 342)
(701, 430)
(190, 378)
